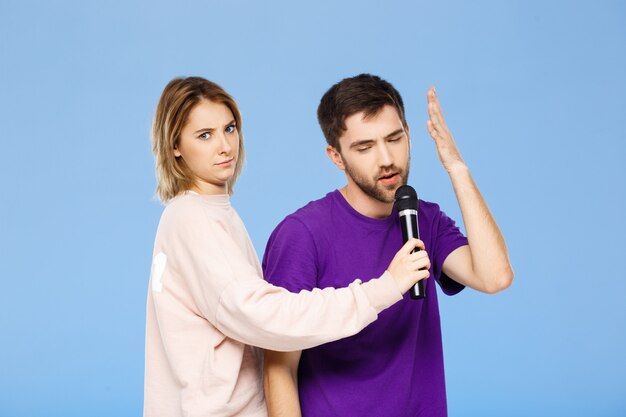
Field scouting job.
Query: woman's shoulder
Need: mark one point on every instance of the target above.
(194, 208)
(181, 204)
(184, 201)
(183, 209)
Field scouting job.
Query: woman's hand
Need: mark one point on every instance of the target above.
(408, 268)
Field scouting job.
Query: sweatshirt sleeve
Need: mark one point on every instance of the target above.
(228, 292)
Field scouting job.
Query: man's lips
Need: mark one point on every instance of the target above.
(389, 179)
(388, 176)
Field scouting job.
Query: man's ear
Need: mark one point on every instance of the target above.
(335, 157)
(408, 135)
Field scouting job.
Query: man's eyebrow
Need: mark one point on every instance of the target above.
(369, 141)
(361, 143)
(394, 133)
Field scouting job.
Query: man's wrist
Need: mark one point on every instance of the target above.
(457, 168)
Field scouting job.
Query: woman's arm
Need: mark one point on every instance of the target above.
(229, 293)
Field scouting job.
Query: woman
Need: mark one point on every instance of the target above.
(208, 304)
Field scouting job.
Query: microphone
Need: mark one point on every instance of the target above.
(406, 204)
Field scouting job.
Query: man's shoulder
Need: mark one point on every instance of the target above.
(306, 223)
(293, 249)
(314, 212)
(429, 209)
(429, 206)
(433, 213)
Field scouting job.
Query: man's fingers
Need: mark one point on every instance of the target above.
(434, 108)
(435, 113)
(431, 129)
(431, 95)
(434, 124)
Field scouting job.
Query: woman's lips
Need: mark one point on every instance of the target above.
(225, 163)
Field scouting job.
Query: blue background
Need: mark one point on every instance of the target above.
(534, 92)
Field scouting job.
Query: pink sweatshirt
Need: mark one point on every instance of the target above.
(208, 305)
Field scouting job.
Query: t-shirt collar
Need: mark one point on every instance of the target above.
(382, 223)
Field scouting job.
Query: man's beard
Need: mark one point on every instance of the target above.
(373, 188)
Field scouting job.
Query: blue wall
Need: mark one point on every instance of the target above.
(534, 92)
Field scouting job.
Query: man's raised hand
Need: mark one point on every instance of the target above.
(446, 147)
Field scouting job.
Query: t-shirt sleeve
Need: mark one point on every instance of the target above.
(290, 259)
(229, 293)
(448, 237)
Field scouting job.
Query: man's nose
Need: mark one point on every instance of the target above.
(384, 156)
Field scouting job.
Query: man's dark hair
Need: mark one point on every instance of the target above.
(363, 93)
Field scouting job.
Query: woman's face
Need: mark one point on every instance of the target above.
(209, 145)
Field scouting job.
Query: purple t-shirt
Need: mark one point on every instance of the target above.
(394, 367)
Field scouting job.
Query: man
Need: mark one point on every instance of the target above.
(394, 367)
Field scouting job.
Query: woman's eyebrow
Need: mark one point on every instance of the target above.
(204, 129)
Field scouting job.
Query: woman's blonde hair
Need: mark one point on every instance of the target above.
(180, 96)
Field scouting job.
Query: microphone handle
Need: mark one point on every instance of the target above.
(409, 230)
(417, 290)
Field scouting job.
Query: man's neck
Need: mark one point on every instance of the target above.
(365, 204)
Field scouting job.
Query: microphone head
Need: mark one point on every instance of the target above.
(406, 198)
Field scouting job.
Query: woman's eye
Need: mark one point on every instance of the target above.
(205, 135)
(231, 128)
